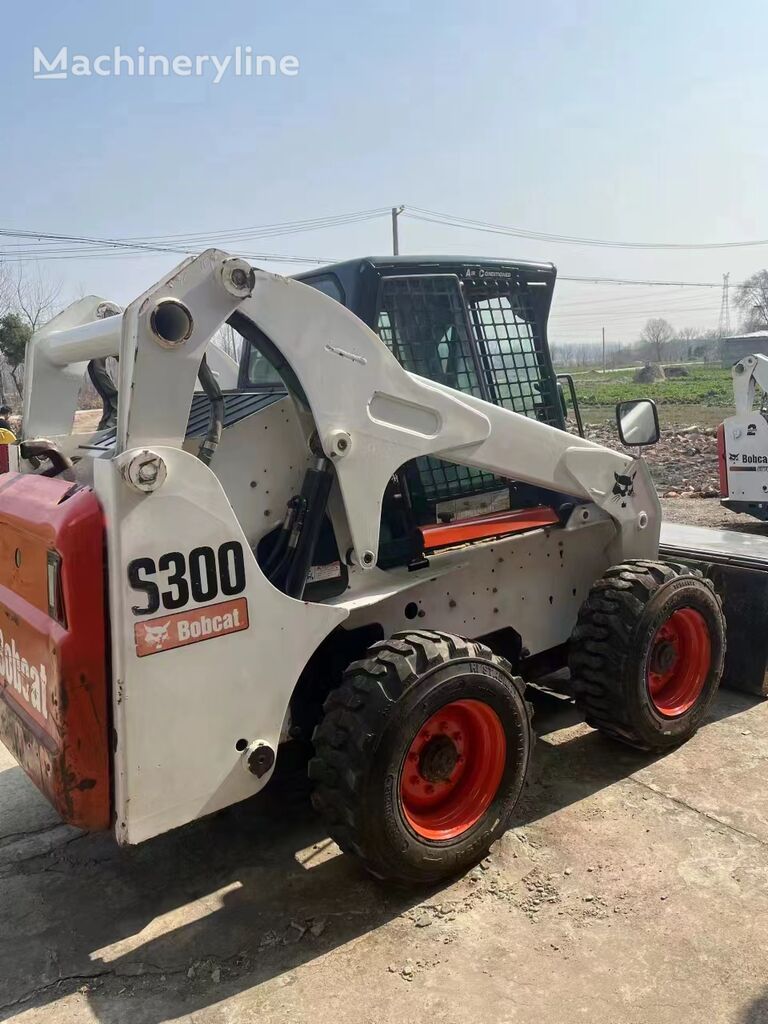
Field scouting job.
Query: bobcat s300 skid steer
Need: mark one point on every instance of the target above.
(368, 537)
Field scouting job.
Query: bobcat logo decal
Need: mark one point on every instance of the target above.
(156, 636)
(732, 456)
(624, 487)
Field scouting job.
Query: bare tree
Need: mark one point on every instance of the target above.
(657, 333)
(7, 288)
(35, 296)
(689, 334)
(28, 298)
(752, 299)
(227, 339)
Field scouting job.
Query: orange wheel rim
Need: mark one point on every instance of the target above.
(679, 662)
(452, 770)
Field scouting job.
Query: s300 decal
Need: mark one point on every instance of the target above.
(201, 576)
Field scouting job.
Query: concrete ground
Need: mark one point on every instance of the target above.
(632, 890)
(709, 512)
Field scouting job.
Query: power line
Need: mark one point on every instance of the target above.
(448, 220)
(628, 318)
(655, 284)
(162, 241)
(284, 228)
(87, 246)
(70, 247)
(627, 302)
(650, 296)
(319, 261)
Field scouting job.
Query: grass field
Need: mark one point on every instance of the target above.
(671, 417)
(704, 398)
(705, 386)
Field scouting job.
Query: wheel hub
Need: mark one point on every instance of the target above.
(438, 759)
(664, 656)
(679, 662)
(452, 769)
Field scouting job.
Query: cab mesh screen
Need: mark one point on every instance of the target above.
(488, 348)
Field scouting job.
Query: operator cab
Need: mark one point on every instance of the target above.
(478, 326)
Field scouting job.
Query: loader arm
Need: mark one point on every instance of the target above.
(747, 373)
(371, 416)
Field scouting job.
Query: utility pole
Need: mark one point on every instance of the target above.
(396, 211)
(603, 351)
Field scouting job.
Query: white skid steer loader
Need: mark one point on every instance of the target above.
(366, 540)
(742, 445)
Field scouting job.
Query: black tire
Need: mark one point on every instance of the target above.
(371, 724)
(617, 654)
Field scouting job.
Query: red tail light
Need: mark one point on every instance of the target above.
(722, 472)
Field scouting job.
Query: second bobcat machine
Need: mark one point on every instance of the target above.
(742, 441)
(368, 537)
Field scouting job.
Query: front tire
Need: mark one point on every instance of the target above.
(646, 655)
(421, 755)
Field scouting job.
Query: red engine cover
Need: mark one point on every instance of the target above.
(54, 709)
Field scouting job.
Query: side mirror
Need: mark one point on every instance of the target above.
(638, 422)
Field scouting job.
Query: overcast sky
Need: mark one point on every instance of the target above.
(617, 120)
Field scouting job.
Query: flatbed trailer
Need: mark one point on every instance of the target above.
(737, 564)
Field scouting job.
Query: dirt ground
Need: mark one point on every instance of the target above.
(709, 512)
(684, 461)
(632, 890)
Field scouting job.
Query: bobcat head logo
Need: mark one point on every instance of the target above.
(156, 635)
(733, 456)
(624, 486)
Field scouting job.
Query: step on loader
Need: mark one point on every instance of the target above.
(367, 536)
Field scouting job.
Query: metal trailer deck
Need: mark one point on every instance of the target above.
(737, 563)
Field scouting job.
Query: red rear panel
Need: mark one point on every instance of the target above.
(54, 713)
(722, 469)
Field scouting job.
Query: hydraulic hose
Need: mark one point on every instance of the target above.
(212, 390)
(294, 536)
(315, 490)
(274, 560)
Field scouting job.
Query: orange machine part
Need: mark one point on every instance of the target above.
(498, 524)
(54, 709)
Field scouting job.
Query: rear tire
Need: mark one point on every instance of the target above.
(421, 755)
(646, 655)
